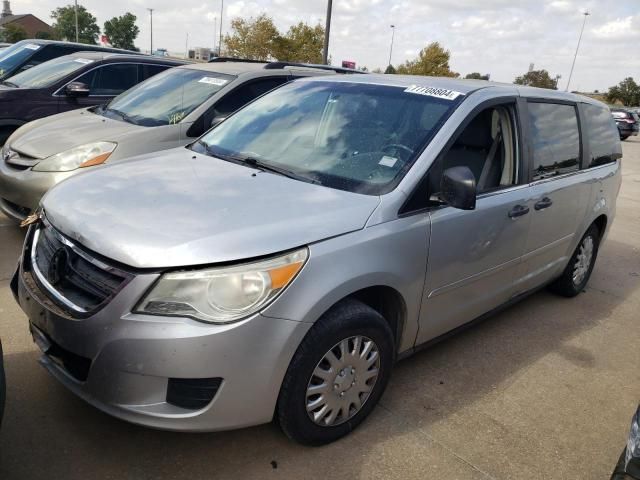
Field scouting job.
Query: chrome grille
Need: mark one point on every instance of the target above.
(70, 276)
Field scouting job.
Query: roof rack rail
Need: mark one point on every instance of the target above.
(280, 65)
(232, 59)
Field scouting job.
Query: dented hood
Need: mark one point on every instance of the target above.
(180, 208)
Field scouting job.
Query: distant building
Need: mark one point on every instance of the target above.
(200, 53)
(31, 24)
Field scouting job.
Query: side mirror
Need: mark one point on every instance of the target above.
(458, 188)
(77, 89)
(217, 120)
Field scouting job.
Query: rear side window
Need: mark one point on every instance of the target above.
(555, 139)
(602, 135)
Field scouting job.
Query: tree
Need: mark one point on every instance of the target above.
(476, 76)
(13, 33)
(256, 39)
(537, 78)
(65, 24)
(44, 35)
(302, 43)
(122, 31)
(433, 60)
(390, 70)
(627, 92)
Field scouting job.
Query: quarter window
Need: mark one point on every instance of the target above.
(602, 134)
(555, 139)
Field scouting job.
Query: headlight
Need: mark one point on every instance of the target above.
(633, 443)
(77, 157)
(222, 295)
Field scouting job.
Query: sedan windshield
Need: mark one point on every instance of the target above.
(351, 136)
(14, 56)
(48, 73)
(166, 98)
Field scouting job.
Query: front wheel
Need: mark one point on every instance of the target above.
(578, 271)
(337, 375)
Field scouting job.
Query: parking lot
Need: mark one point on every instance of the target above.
(546, 389)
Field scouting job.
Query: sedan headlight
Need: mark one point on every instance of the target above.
(225, 294)
(78, 157)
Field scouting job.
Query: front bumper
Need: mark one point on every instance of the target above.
(22, 189)
(130, 359)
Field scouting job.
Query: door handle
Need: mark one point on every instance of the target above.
(546, 202)
(518, 211)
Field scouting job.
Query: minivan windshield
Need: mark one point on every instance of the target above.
(48, 73)
(351, 136)
(166, 98)
(14, 56)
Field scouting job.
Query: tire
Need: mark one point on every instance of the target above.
(569, 286)
(347, 321)
(623, 137)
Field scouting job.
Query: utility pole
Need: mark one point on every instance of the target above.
(327, 31)
(186, 47)
(586, 14)
(151, 20)
(215, 31)
(393, 32)
(77, 34)
(221, 14)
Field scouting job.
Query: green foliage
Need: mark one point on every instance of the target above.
(122, 31)
(476, 76)
(65, 24)
(390, 69)
(256, 39)
(433, 60)
(44, 35)
(537, 78)
(627, 92)
(13, 33)
(302, 43)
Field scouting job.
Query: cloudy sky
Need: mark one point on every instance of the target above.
(500, 37)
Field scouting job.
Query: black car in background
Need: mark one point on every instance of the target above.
(28, 53)
(627, 121)
(82, 79)
(628, 467)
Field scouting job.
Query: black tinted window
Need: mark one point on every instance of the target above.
(147, 71)
(111, 79)
(602, 134)
(555, 139)
(244, 94)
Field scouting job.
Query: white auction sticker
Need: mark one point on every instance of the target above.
(444, 93)
(388, 161)
(32, 46)
(212, 80)
(84, 61)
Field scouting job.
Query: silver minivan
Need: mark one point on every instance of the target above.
(281, 264)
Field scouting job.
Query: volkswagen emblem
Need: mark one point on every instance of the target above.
(58, 266)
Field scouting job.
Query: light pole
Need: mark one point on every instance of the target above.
(151, 20)
(76, 9)
(215, 30)
(220, 42)
(393, 32)
(327, 30)
(586, 14)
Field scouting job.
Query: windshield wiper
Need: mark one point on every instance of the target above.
(122, 115)
(259, 164)
(7, 83)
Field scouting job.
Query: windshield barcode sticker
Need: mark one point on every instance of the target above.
(212, 80)
(444, 93)
(32, 46)
(84, 61)
(388, 161)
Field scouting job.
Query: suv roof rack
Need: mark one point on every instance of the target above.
(231, 59)
(278, 65)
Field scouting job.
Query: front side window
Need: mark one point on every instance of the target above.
(166, 98)
(350, 136)
(111, 80)
(602, 134)
(47, 74)
(246, 93)
(555, 139)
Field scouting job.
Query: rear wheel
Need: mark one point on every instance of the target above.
(337, 375)
(578, 271)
